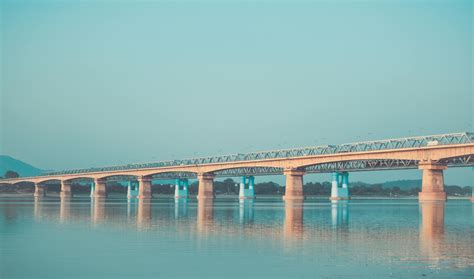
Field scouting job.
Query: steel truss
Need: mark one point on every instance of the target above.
(463, 161)
(357, 165)
(400, 143)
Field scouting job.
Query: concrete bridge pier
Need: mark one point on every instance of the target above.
(144, 188)
(40, 191)
(131, 190)
(294, 184)
(432, 185)
(181, 188)
(66, 189)
(92, 189)
(100, 189)
(206, 186)
(246, 190)
(337, 192)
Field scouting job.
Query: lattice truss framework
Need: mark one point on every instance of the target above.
(409, 142)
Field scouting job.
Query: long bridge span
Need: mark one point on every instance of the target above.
(431, 154)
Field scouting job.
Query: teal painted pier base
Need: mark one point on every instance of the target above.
(246, 190)
(181, 188)
(340, 186)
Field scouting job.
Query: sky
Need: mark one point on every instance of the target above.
(100, 83)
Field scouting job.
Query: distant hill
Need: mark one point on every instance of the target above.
(22, 168)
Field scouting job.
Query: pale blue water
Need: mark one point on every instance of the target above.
(49, 238)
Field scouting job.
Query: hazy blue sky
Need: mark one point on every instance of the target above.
(96, 83)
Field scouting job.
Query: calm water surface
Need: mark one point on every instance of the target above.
(267, 238)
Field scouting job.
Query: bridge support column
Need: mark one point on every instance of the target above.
(144, 188)
(246, 190)
(40, 191)
(66, 189)
(432, 185)
(100, 190)
(206, 186)
(345, 180)
(340, 193)
(294, 184)
(131, 190)
(181, 188)
(92, 189)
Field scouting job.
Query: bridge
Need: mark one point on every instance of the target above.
(431, 154)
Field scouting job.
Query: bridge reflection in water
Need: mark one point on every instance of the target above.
(65, 210)
(180, 208)
(432, 230)
(340, 213)
(431, 225)
(205, 216)
(246, 211)
(293, 224)
(98, 210)
(144, 214)
(209, 218)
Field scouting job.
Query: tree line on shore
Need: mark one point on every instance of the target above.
(231, 187)
(10, 174)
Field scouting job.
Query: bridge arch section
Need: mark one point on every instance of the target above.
(41, 185)
(247, 174)
(20, 181)
(79, 179)
(28, 182)
(180, 177)
(99, 186)
(340, 171)
(84, 181)
(48, 180)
